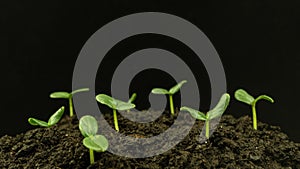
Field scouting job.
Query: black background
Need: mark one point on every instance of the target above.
(258, 43)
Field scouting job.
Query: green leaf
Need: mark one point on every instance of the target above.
(264, 97)
(160, 91)
(220, 107)
(88, 126)
(97, 143)
(36, 122)
(132, 98)
(107, 100)
(56, 116)
(80, 90)
(175, 89)
(123, 105)
(114, 103)
(243, 96)
(195, 113)
(60, 95)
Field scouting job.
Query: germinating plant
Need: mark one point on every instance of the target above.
(243, 96)
(52, 120)
(131, 99)
(69, 96)
(115, 105)
(215, 112)
(169, 92)
(88, 127)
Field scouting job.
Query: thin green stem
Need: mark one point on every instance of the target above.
(116, 120)
(71, 106)
(254, 117)
(92, 160)
(171, 104)
(207, 128)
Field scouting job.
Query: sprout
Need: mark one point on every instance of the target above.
(215, 112)
(69, 96)
(115, 105)
(243, 96)
(170, 92)
(88, 127)
(52, 120)
(131, 99)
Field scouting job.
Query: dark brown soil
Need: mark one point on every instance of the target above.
(233, 145)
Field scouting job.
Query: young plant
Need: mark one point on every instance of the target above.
(88, 127)
(115, 105)
(131, 99)
(69, 96)
(215, 112)
(52, 120)
(242, 96)
(170, 92)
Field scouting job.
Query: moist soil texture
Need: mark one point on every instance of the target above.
(234, 144)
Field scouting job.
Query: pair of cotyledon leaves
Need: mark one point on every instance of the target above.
(243, 96)
(52, 120)
(217, 111)
(66, 95)
(115, 103)
(172, 91)
(88, 127)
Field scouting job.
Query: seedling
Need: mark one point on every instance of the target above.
(132, 99)
(243, 96)
(170, 92)
(69, 96)
(52, 120)
(88, 127)
(115, 105)
(215, 112)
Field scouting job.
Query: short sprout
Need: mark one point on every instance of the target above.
(215, 112)
(69, 96)
(52, 120)
(115, 105)
(169, 92)
(88, 127)
(242, 96)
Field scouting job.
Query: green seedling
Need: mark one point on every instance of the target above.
(69, 96)
(131, 99)
(242, 96)
(170, 92)
(115, 105)
(52, 120)
(215, 112)
(88, 127)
